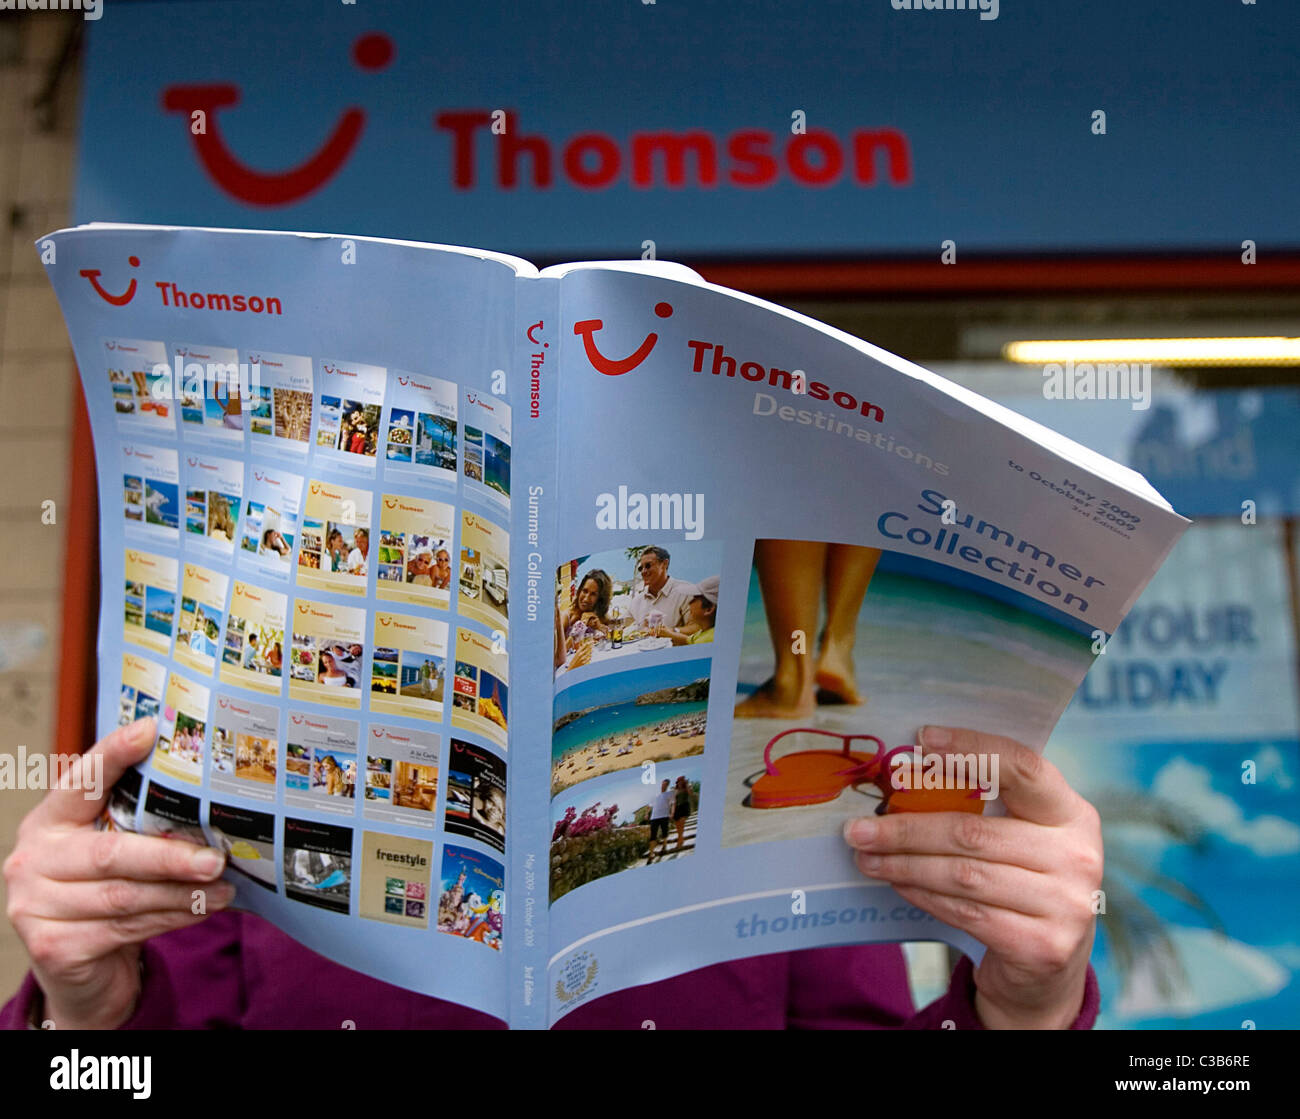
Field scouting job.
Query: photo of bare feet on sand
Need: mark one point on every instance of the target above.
(846, 652)
(795, 577)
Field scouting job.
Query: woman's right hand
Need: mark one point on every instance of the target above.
(84, 901)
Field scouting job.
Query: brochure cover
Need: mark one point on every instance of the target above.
(525, 636)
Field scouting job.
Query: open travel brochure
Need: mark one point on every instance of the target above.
(525, 636)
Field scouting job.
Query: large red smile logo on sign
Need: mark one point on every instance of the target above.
(373, 51)
(93, 274)
(612, 367)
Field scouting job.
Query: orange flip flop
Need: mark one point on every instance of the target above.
(934, 800)
(921, 800)
(814, 776)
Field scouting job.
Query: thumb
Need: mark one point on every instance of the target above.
(84, 787)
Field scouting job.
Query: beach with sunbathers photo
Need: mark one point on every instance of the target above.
(623, 735)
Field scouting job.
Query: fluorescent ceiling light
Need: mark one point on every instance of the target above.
(1277, 350)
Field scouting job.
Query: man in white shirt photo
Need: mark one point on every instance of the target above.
(659, 813)
(660, 592)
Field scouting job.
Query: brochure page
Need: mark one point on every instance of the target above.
(303, 444)
(782, 552)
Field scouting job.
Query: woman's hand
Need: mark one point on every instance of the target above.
(83, 901)
(1022, 884)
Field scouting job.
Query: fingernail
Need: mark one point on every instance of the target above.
(858, 833)
(938, 737)
(869, 864)
(223, 893)
(207, 862)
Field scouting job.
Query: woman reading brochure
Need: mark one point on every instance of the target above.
(107, 918)
(673, 644)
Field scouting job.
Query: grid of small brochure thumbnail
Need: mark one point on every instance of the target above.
(316, 599)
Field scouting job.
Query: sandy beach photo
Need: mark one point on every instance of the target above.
(621, 721)
(677, 736)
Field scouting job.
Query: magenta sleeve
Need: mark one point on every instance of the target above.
(16, 1013)
(192, 979)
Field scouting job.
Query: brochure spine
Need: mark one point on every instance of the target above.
(533, 565)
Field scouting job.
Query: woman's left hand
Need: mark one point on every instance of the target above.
(1024, 884)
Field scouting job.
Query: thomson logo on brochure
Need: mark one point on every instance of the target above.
(93, 274)
(174, 297)
(616, 367)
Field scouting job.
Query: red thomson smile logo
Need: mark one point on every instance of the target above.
(93, 274)
(586, 330)
(373, 51)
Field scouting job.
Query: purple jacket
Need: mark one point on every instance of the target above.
(237, 971)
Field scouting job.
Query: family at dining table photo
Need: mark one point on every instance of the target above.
(635, 600)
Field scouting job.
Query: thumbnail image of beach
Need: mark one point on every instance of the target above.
(260, 414)
(162, 503)
(223, 409)
(497, 469)
(196, 511)
(911, 649)
(619, 721)
(159, 609)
